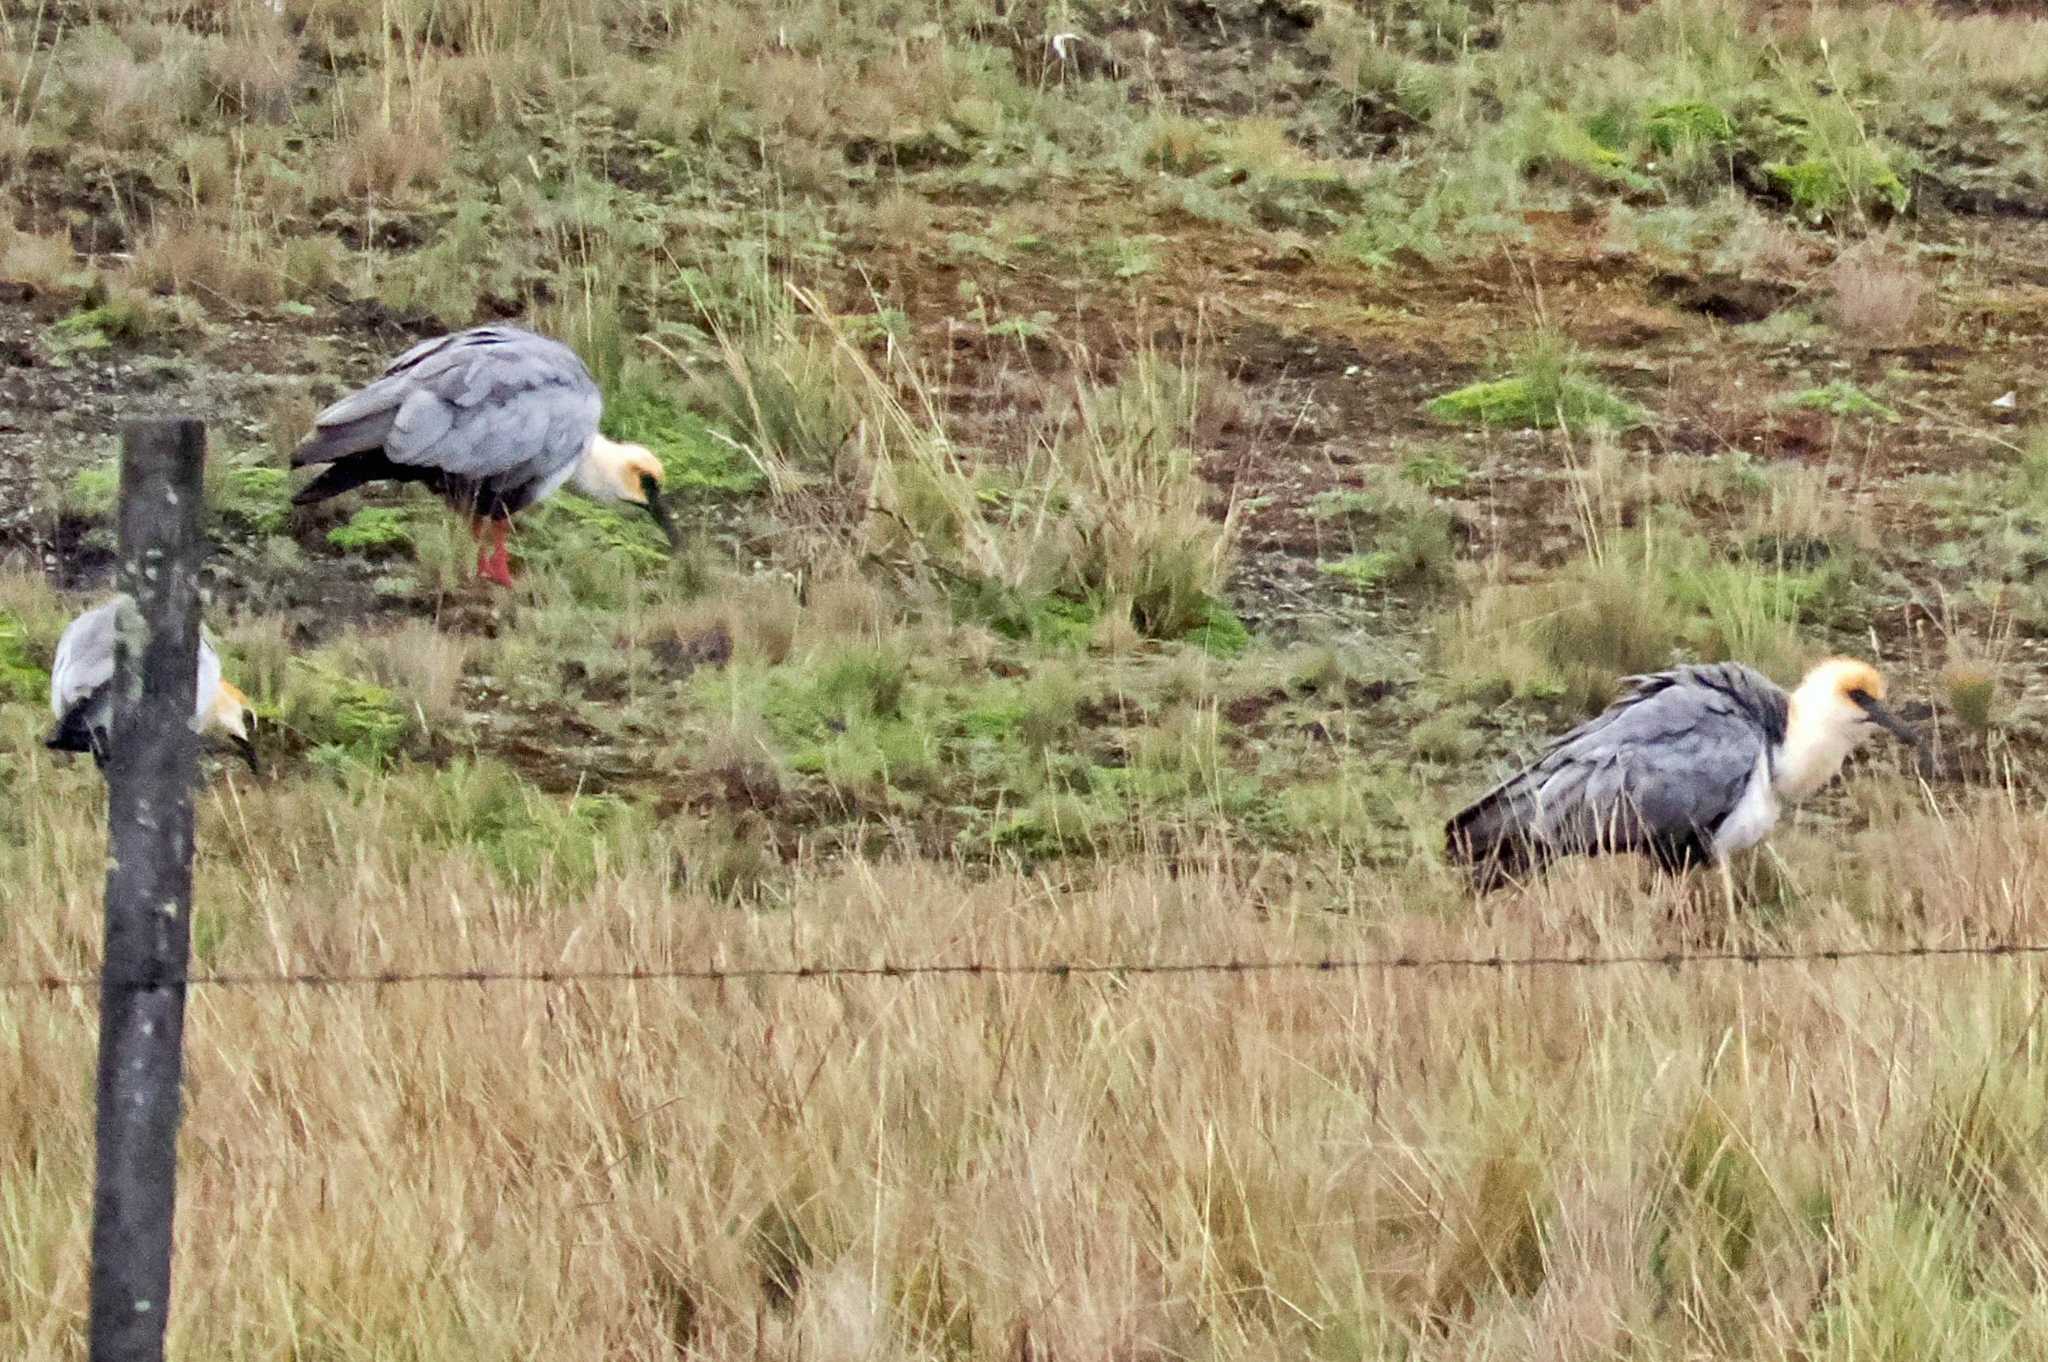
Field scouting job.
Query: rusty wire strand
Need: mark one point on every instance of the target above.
(1054, 969)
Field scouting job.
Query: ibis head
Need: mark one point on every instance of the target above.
(231, 714)
(1836, 708)
(617, 471)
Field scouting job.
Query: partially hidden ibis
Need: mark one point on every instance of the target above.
(82, 692)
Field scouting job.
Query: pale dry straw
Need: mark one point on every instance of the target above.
(1441, 1164)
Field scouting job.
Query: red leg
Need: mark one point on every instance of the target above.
(483, 554)
(500, 569)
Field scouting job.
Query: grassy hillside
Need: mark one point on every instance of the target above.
(1144, 466)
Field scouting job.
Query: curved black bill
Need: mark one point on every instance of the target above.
(660, 512)
(248, 751)
(1885, 718)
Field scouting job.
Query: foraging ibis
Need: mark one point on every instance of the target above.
(1688, 766)
(492, 419)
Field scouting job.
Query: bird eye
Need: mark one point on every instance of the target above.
(1859, 696)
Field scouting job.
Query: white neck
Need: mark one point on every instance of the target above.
(597, 473)
(1815, 747)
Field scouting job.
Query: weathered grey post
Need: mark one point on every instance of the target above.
(149, 888)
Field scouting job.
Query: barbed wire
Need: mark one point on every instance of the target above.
(1050, 969)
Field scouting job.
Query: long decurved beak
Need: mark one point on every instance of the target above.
(248, 751)
(1885, 718)
(652, 491)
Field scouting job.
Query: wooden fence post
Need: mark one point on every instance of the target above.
(150, 776)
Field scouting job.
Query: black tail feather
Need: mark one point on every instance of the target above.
(83, 729)
(345, 475)
(1489, 838)
(364, 435)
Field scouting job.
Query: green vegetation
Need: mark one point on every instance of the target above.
(1677, 127)
(92, 491)
(1524, 402)
(1549, 389)
(1845, 400)
(254, 497)
(1362, 570)
(572, 534)
(1435, 471)
(126, 317)
(344, 720)
(1972, 692)
(528, 838)
(1820, 189)
(374, 528)
(1403, 533)
(1217, 630)
(695, 459)
(22, 680)
(1644, 602)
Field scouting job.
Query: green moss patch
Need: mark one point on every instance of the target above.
(93, 491)
(1822, 188)
(528, 836)
(1672, 127)
(694, 457)
(97, 328)
(22, 679)
(1525, 403)
(374, 528)
(1218, 631)
(1362, 570)
(343, 719)
(1403, 534)
(1844, 400)
(254, 497)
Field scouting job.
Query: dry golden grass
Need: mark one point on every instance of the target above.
(1764, 246)
(387, 162)
(127, 90)
(40, 258)
(1813, 1161)
(1825, 1161)
(212, 263)
(253, 76)
(1874, 294)
(893, 216)
(423, 667)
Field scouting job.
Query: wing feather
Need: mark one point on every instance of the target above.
(85, 658)
(84, 666)
(491, 404)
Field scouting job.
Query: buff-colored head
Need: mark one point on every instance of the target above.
(232, 714)
(1844, 690)
(1838, 706)
(616, 471)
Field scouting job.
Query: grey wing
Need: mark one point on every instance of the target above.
(492, 402)
(1669, 767)
(363, 420)
(85, 662)
(85, 658)
(512, 405)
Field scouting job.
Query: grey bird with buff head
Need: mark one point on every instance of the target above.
(1687, 767)
(82, 691)
(492, 420)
